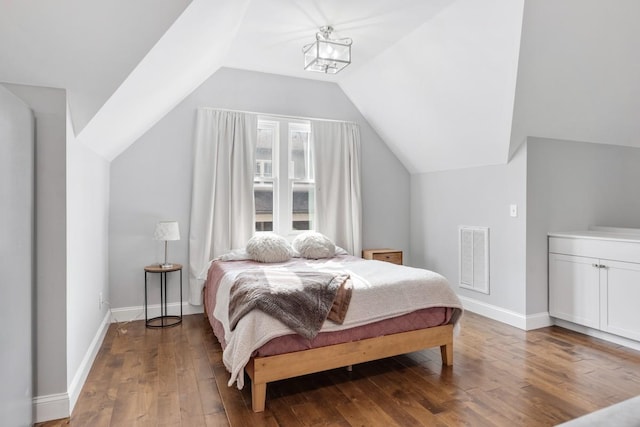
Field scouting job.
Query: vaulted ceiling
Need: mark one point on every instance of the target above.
(446, 83)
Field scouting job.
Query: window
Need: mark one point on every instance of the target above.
(284, 186)
(264, 178)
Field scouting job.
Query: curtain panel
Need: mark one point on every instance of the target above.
(336, 148)
(222, 202)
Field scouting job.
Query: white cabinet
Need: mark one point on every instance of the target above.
(574, 289)
(594, 280)
(620, 291)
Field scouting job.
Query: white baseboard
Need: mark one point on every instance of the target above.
(60, 405)
(50, 407)
(513, 318)
(128, 314)
(605, 336)
(56, 406)
(87, 362)
(539, 320)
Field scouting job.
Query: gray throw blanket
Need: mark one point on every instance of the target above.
(301, 300)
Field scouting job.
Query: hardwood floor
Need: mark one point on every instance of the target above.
(501, 376)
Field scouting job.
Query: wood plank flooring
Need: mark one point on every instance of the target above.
(501, 376)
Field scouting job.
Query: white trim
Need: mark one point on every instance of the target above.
(60, 405)
(635, 345)
(510, 317)
(539, 320)
(129, 314)
(50, 407)
(494, 312)
(82, 373)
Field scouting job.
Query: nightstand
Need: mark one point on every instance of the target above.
(393, 256)
(164, 320)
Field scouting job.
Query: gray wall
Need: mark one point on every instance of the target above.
(578, 72)
(87, 249)
(572, 186)
(557, 185)
(16, 259)
(151, 181)
(72, 197)
(49, 108)
(442, 201)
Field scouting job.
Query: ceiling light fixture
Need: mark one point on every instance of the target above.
(327, 55)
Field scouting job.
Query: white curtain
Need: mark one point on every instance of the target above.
(222, 203)
(337, 173)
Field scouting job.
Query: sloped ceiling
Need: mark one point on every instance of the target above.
(273, 32)
(436, 78)
(579, 72)
(443, 96)
(191, 51)
(85, 47)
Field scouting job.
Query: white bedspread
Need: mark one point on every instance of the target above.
(381, 290)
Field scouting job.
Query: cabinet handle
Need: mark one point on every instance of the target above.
(595, 265)
(599, 265)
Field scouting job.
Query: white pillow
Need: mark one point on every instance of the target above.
(235, 255)
(341, 251)
(314, 245)
(269, 247)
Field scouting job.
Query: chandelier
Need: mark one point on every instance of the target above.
(327, 55)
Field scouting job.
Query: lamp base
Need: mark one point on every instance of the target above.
(166, 265)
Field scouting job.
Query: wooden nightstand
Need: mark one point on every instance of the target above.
(393, 256)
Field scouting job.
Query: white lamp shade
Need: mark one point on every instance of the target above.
(167, 230)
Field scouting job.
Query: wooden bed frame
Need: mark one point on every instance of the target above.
(263, 370)
(266, 369)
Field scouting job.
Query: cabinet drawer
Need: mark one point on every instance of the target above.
(393, 257)
(602, 249)
(388, 255)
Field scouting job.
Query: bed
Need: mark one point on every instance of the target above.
(393, 310)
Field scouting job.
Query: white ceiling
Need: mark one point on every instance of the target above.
(435, 78)
(579, 73)
(184, 57)
(86, 47)
(273, 32)
(444, 94)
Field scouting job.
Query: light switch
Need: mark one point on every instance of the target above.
(513, 210)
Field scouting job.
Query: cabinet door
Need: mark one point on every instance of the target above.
(574, 289)
(620, 298)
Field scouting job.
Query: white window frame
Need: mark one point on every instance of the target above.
(273, 125)
(299, 126)
(282, 180)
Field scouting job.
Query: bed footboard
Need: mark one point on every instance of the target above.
(263, 370)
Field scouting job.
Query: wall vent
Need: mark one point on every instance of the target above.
(474, 258)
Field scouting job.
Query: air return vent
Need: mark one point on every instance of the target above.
(474, 258)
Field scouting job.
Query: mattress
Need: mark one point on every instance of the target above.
(417, 319)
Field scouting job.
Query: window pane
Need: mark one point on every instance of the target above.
(303, 208)
(264, 153)
(300, 165)
(263, 193)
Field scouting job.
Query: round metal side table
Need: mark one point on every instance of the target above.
(165, 319)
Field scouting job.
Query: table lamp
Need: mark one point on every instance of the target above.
(166, 230)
